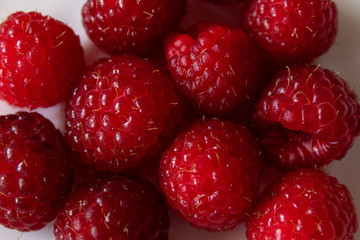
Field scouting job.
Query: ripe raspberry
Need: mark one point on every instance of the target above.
(34, 176)
(292, 30)
(133, 26)
(119, 111)
(210, 174)
(224, 1)
(40, 58)
(318, 114)
(306, 204)
(119, 208)
(216, 67)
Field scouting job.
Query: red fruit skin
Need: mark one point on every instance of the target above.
(307, 117)
(210, 174)
(224, 1)
(132, 26)
(215, 66)
(119, 112)
(34, 176)
(40, 59)
(306, 204)
(118, 208)
(289, 31)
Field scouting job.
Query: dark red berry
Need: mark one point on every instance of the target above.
(307, 117)
(216, 66)
(133, 26)
(119, 111)
(224, 1)
(34, 176)
(306, 204)
(292, 30)
(40, 58)
(210, 174)
(118, 208)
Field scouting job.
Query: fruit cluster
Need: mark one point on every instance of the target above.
(204, 109)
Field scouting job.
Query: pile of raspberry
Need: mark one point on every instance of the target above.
(184, 119)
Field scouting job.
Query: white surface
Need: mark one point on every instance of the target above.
(343, 57)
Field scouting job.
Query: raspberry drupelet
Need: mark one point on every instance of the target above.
(210, 174)
(34, 176)
(306, 204)
(40, 59)
(291, 31)
(118, 208)
(215, 66)
(119, 111)
(132, 26)
(307, 117)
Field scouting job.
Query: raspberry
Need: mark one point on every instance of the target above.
(133, 26)
(210, 174)
(34, 176)
(306, 204)
(224, 1)
(307, 117)
(216, 67)
(119, 111)
(292, 30)
(40, 58)
(118, 208)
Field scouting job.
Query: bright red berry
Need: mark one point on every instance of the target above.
(307, 117)
(40, 58)
(34, 176)
(133, 26)
(119, 111)
(292, 30)
(210, 174)
(118, 208)
(306, 204)
(216, 66)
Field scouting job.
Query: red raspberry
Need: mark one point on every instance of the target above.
(119, 208)
(130, 25)
(224, 1)
(40, 58)
(292, 30)
(216, 67)
(210, 174)
(318, 114)
(119, 111)
(34, 176)
(306, 204)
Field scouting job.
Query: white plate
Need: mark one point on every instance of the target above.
(343, 57)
